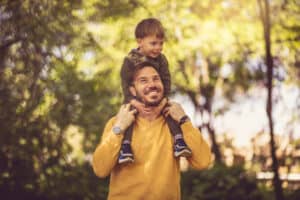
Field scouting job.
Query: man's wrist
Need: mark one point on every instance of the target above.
(183, 120)
(117, 129)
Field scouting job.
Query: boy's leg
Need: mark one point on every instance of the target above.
(126, 154)
(180, 147)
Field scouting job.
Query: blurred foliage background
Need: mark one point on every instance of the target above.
(59, 84)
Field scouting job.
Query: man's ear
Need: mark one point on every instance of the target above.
(132, 91)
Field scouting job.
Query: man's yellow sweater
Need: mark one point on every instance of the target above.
(154, 174)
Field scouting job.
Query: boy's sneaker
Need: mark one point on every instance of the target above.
(181, 149)
(126, 154)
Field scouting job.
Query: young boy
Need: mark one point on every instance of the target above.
(149, 34)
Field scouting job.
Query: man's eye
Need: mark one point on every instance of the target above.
(156, 78)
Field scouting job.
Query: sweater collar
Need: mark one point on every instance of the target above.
(144, 121)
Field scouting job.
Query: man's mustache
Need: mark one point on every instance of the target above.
(151, 89)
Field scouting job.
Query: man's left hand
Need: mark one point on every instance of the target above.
(174, 110)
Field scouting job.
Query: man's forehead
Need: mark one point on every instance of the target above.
(147, 71)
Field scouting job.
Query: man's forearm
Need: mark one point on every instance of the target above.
(106, 153)
(201, 153)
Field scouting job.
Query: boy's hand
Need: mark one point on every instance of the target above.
(174, 110)
(125, 117)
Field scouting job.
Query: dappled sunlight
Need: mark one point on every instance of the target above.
(75, 139)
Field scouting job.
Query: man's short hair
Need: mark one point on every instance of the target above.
(140, 66)
(148, 27)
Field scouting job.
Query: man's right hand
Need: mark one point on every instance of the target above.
(139, 106)
(125, 117)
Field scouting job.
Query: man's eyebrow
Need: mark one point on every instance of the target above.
(142, 77)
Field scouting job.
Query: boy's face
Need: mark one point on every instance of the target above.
(150, 45)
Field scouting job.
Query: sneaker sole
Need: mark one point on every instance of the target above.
(184, 153)
(127, 154)
(125, 160)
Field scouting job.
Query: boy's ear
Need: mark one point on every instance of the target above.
(132, 91)
(139, 41)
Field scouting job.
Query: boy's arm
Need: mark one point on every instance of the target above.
(106, 154)
(125, 70)
(165, 74)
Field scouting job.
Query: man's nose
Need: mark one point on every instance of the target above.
(151, 83)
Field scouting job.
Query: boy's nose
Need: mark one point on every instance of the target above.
(159, 48)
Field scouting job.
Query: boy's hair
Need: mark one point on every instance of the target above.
(149, 26)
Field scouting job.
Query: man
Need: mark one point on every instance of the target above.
(155, 174)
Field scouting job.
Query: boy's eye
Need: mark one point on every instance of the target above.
(157, 43)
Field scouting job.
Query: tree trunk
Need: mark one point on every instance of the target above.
(215, 146)
(265, 17)
(207, 125)
(207, 92)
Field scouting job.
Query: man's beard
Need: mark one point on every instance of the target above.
(145, 92)
(153, 104)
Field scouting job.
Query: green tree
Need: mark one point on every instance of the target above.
(220, 183)
(42, 95)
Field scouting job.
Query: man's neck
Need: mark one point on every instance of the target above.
(151, 114)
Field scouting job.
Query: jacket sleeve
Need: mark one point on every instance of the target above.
(165, 74)
(106, 153)
(201, 153)
(126, 69)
